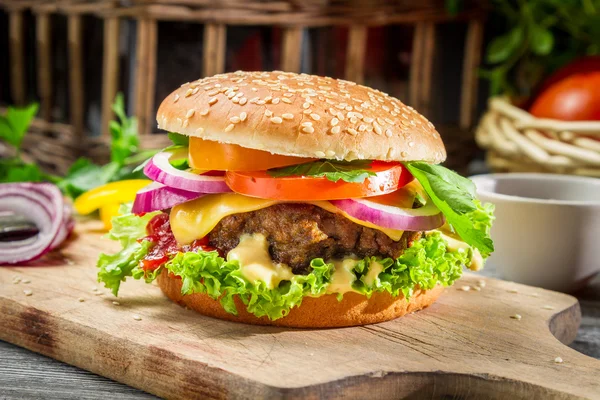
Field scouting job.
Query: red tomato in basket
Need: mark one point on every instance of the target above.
(575, 98)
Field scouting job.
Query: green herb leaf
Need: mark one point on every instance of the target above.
(178, 139)
(85, 175)
(502, 47)
(15, 123)
(455, 197)
(124, 133)
(542, 40)
(348, 171)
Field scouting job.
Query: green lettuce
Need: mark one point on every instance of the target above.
(426, 263)
(455, 198)
(127, 228)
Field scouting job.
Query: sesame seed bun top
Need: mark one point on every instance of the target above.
(301, 115)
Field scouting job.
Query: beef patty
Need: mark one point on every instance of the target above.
(297, 233)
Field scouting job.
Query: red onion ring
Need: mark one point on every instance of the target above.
(159, 169)
(425, 218)
(44, 205)
(157, 196)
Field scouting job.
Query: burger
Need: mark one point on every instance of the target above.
(298, 200)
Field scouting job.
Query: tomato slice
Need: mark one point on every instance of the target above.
(209, 155)
(389, 177)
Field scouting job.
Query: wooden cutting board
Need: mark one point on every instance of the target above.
(465, 345)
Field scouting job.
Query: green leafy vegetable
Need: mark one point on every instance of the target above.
(535, 37)
(127, 228)
(124, 133)
(455, 197)
(179, 139)
(14, 124)
(348, 171)
(425, 264)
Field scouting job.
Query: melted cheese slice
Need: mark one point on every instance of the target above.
(252, 254)
(195, 219)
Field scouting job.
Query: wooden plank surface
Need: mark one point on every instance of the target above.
(466, 343)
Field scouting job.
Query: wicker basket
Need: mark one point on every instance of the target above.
(518, 141)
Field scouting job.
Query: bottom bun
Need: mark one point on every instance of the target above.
(314, 312)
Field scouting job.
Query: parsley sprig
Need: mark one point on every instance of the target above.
(348, 171)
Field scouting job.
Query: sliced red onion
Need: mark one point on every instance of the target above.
(42, 204)
(159, 169)
(425, 218)
(157, 196)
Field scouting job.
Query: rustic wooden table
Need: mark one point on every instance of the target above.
(27, 375)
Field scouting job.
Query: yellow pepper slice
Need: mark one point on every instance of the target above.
(108, 211)
(111, 193)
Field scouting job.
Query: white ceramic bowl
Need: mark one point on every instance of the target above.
(547, 228)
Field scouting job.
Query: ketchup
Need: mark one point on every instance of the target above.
(164, 243)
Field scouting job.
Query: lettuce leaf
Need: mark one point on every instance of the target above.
(127, 229)
(426, 263)
(455, 197)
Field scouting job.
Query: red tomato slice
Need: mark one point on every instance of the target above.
(389, 177)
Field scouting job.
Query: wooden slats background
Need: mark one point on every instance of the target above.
(294, 17)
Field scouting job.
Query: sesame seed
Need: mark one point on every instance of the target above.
(235, 100)
(546, 307)
(306, 105)
(176, 98)
(116, 303)
(231, 95)
(200, 131)
(188, 93)
(388, 132)
(308, 129)
(465, 288)
(389, 121)
(268, 98)
(212, 101)
(386, 108)
(404, 154)
(234, 120)
(180, 121)
(362, 128)
(81, 299)
(238, 95)
(286, 100)
(307, 123)
(254, 99)
(319, 154)
(275, 100)
(353, 120)
(186, 122)
(194, 91)
(516, 316)
(307, 112)
(268, 113)
(213, 92)
(380, 121)
(287, 116)
(316, 117)
(28, 292)
(276, 120)
(368, 120)
(378, 129)
(334, 121)
(243, 101)
(137, 317)
(16, 280)
(190, 113)
(330, 153)
(558, 360)
(229, 128)
(243, 116)
(287, 95)
(351, 131)
(204, 112)
(335, 130)
(411, 144)
(261, 102)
